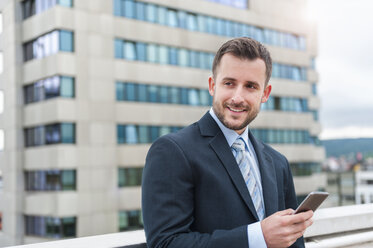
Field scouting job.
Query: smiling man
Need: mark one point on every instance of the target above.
(213, 184)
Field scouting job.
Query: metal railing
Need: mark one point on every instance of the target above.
(347, 226)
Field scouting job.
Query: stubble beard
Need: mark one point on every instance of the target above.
(219, 112)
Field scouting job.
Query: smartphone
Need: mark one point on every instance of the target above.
(312, 201)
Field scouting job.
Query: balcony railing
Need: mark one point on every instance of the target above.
(348, 226)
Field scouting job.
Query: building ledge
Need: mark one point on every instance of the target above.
(348, 226)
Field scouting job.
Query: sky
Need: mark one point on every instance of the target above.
(345, 66)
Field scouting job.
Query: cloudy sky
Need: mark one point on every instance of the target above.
(345, 66)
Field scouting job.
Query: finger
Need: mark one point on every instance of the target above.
(288, 211)
(307, 215)
(301, 217)
(296, 236)
(301, 227)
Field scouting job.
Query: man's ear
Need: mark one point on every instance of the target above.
(211, 86)
(266, 93)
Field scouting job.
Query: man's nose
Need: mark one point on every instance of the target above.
(237, 97)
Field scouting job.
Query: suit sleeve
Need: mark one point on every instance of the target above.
(168, 203)
(291, 200)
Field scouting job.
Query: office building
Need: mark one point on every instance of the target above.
(88, 85)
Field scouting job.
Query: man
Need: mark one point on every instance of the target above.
(213, 184)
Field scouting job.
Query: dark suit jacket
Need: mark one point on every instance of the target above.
(193, 193)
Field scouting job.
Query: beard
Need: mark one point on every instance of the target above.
(251, 114)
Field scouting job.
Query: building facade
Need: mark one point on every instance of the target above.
(87, 85)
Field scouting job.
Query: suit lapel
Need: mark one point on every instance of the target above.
(268, 177)
(222, 150)
(219, 145)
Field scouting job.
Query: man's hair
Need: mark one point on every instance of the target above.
(244, 48)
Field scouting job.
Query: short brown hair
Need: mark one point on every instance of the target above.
(244, 48)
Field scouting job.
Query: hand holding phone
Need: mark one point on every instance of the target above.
(312, 201)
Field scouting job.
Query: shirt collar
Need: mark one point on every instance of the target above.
(230, 135)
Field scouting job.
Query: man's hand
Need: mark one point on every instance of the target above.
(282, 228)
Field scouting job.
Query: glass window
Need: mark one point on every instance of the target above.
(129, 50)
(140, 11)
(38, 91)
(151, 13)
(258, 34)
(154, 133)
(314, 89)
(131, 134)
(119, 91)
(302, 43)
(66, 41)
(53, 134)
(67, 86)
(129, 177)
(204, 97)
(68, 180)
(130, 91)
(153, 93)
(173, 58)
(66, 3)
(182, 19)
(163, 94)
(191, 22)
(193, 97)
(229, 29)
(172, 19)
(296, 73)
(117, 7)
(267, 36)
(163, 130)
(129, 8)
(304, 74)
(130, 220)
(194, 59)
(163, 55)
(201, 23)
(118, 49)
(143, 93)
(39, 136)
(152, 53)
(68, 133)
(52, 227)
(162, 15)
(144, 135)
(304, 103)
(141, 51)
(175, 95)
(51, 87)
(183, 57)
(220, 27)
(184, 96)
(120, 134)
(204, 60)
(210, 24)
(28, 51)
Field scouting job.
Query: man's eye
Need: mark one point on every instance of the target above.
(228, 83)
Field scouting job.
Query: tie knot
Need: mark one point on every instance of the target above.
(239, 145)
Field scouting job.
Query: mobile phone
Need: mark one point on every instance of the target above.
(312, 201)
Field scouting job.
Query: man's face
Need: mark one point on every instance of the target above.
(238, 90)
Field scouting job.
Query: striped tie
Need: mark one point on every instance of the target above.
(244, 164)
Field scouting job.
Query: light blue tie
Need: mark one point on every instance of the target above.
(243, 161)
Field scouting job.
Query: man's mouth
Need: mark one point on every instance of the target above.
(236, 110)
